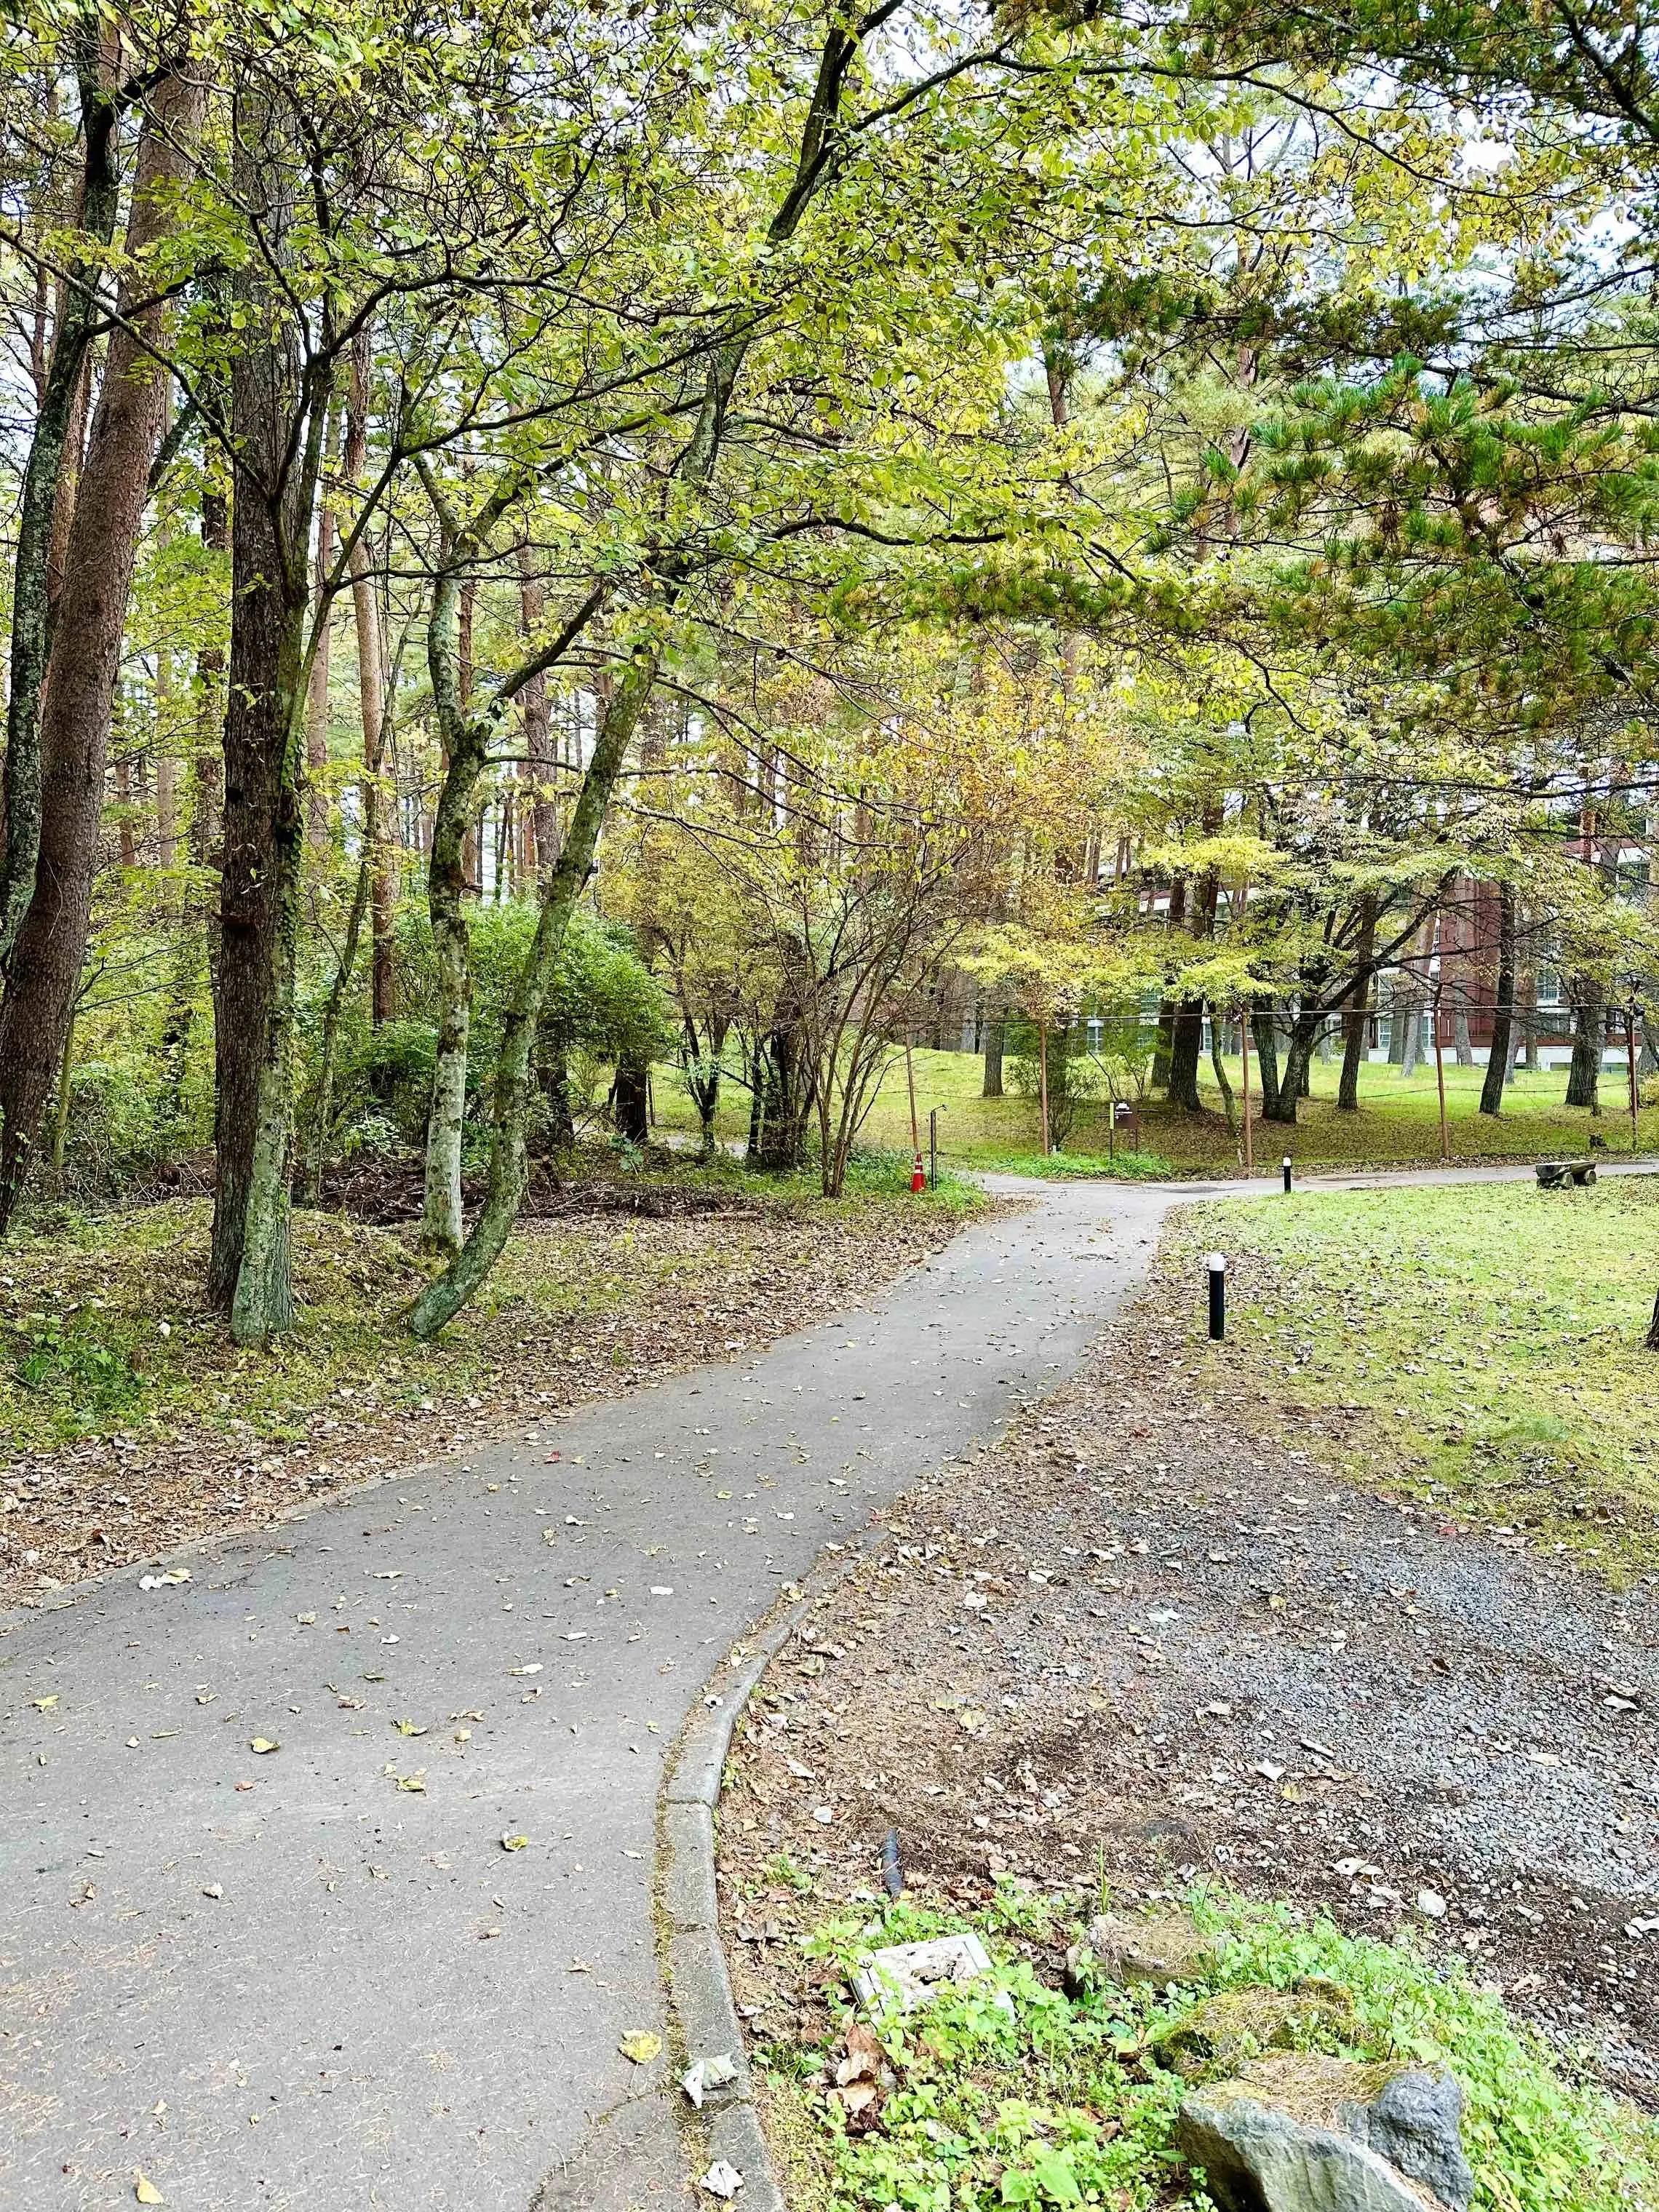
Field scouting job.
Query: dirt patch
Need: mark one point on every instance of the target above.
(1137, 1643)
(589, 1306)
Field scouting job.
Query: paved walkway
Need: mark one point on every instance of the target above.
(312, 1976)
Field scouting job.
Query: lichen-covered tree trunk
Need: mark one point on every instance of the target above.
(443, 1299)
(50, 943)
(1292, 1083)
(440, 1218)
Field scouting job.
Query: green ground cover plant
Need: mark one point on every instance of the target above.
(1488, 1338)
(1008, 2093)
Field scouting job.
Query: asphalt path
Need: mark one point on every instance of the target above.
(317, 1976)
(314, 1977)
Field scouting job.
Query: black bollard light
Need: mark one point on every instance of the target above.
(1217, 1296)
(1286, 1165)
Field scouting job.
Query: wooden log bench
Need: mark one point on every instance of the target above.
(1561, 1174)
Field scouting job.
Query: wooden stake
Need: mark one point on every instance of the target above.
(910, 1074)
(1244, 1044)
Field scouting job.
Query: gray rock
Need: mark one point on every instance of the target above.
(1313, 2134)
(1166, 1948)
(1414, 2124)
(1256, 2159)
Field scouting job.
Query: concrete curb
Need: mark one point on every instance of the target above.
(701, 2005)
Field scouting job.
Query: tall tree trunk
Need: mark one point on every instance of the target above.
(1304, 1039)
(444, 1299)
(94, 49)
(328, 1051)
(1353, 1048)
(537, 769)
(1187, 1041)
(1400, 1001)
(1186, 1050)
(51, 943)
(316, 697)
(278, 421)
(1264, 1027)
(446, 886)
(464, 737)
(1589, 1038)
(1501, 1056)
(1218, 1067)
(630, 1100)
(1164, 1052)
(380, 804)
(167, 761)
(1358, 1018)
(994, 1033)
(757, 1106)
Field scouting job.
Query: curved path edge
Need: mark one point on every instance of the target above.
(703, 2014)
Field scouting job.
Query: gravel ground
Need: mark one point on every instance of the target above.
(700, 1286)
(1136, 1642)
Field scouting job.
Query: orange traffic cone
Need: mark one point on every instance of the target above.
(918, 1177)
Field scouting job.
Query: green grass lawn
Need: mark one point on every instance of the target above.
(1487, 1341)
(1397, 1122)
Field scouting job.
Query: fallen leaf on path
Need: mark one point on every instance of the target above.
(641, 2045)
(262, 1743)
(514, 1843)
(721, 2180)
(146, 2191)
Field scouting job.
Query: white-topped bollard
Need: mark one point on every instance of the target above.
(1217, 1296)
